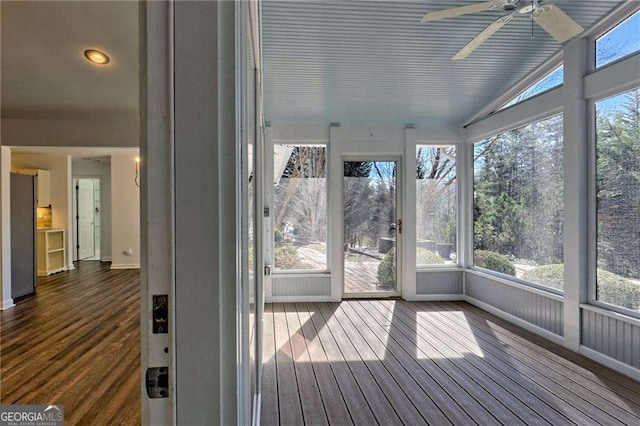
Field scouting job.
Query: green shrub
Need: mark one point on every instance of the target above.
(618, 290)
(287, 257)
(494, 261)
(549, 275)
(427, 257)
(612, 288)
(387, 268)
(277, 236)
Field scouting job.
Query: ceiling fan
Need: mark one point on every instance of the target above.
(549, 16)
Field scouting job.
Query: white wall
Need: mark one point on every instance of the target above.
(125, 211)
(90, 168)
(59, 167)
(82, 130)
(5, 229)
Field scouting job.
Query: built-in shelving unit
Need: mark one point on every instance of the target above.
(50, 251)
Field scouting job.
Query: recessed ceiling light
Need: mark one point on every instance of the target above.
(96, 56)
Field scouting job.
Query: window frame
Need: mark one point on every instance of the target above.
(592, 211)
(302, 272)
(620, 17)
(502, 276)
(458, 207)
(548, 73)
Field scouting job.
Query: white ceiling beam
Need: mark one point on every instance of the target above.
(531, 110)
(613, 79)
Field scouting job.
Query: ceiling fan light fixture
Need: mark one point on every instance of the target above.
(96, 57)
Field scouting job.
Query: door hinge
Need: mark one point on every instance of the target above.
(399, 226)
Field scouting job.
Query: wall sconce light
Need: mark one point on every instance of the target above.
(137, 172)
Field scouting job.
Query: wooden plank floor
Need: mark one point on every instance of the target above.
(76, 343)
(393, 362)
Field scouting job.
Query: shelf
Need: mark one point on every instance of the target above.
(51, 251)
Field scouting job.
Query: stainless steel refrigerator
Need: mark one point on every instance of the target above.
(23, 235)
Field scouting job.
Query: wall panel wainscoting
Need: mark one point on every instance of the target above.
(76, 342)
(439, 282)
(528, 304)
(301, 285)
(610, 334)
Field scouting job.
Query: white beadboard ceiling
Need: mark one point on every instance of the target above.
(374, 62)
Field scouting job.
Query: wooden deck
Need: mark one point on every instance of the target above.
(76, 343)
(392, 362)
(360, 271)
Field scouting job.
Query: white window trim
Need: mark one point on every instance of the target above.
(592, 203)
(425, 267)
(605, 25)
(303, 272)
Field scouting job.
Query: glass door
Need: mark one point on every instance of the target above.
(371, 228)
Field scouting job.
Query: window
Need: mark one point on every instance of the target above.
(435, 205)
(549, 81)
(620, 41)
(618, 200)
(300, 207)
(518, 203)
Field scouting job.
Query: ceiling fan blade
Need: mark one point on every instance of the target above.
(482, 37)
(457, 11)
(557, 23)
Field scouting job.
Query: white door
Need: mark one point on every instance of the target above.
(372, 228)
(86, 232)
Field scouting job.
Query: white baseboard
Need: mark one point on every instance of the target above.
(70, 267)
(287, 299)
(612, 363)
(435, 298)
(515, 320)
(105, 258)
(6, 304)
(125, 266)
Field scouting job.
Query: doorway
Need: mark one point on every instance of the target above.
(87, 214)
(372, 227)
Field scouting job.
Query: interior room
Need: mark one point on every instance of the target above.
(350, 212)
(70, 208)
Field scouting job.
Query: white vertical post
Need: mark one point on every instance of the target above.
(157, 231)
(5, 228)
(575, 190)
(206, 213)
(464, 175)
(268, 204)
(336, 239)
(408, 185)
(70, 216)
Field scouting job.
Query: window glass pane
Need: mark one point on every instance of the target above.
(435, 205)
(549, 81)
(622, 40)
(300, 207)
(518, 203)
(618, 200)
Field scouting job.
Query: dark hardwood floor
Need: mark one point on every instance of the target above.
(388, 362)
(76, 343)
